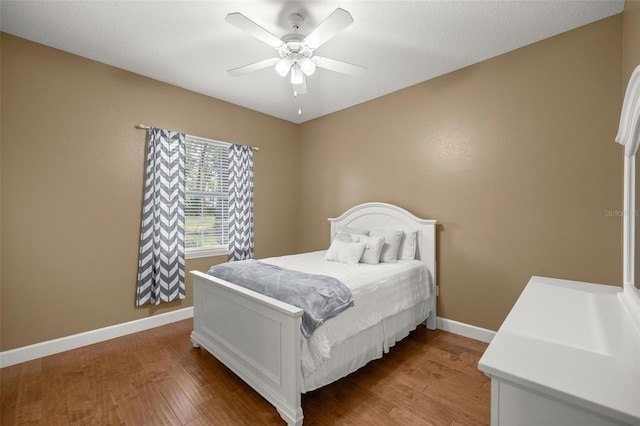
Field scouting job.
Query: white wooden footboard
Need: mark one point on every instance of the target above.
(255, 336)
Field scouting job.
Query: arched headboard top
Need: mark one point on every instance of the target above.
(379, 214)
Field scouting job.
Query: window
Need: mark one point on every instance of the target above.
(206, 215)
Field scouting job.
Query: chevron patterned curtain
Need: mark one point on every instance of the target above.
(240, 202)
(161, 261)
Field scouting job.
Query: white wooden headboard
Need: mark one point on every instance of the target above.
(389, 216)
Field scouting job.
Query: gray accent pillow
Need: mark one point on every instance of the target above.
(408, 246)
(391, 247)
(348, 238)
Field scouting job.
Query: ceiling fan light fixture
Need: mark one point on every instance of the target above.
(308, 66)
(296, 75)
(283, 67)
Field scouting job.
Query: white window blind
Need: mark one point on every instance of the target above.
(206, 197)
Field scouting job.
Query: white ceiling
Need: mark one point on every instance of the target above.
(189, 44)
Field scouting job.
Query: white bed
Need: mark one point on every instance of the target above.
(259, 338)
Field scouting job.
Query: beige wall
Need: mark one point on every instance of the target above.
(514, 157)
(72, 167)
(1, 34)
(630, 39)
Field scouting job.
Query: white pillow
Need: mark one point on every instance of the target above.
(373, 249)
(408, 246)
(373, 246)
(391, 245)
(344, 252)
(359, 231)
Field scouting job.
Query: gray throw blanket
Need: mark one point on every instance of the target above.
(319, 296)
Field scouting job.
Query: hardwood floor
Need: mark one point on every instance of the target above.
(156, 378)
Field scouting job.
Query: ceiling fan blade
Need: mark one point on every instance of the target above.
(332, 25)
(300, 89)
(256, 66)
(339, 66)
(247, 25)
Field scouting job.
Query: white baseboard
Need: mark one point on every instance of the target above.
(50, 347)
(466, 330)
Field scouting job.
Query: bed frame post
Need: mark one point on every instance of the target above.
(428, 256)
(255, 336)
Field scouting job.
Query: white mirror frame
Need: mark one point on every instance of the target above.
(629, 136)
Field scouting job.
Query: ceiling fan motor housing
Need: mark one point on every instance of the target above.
(294, 43)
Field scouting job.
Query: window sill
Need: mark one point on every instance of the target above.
(206, 252)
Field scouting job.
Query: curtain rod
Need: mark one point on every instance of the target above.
(145, 127)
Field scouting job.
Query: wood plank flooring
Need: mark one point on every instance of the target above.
(157, 378)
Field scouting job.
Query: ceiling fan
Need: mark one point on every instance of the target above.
(295, 50)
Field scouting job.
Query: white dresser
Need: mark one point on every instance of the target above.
(567, 354)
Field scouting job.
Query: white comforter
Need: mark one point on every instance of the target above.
(379, 291)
